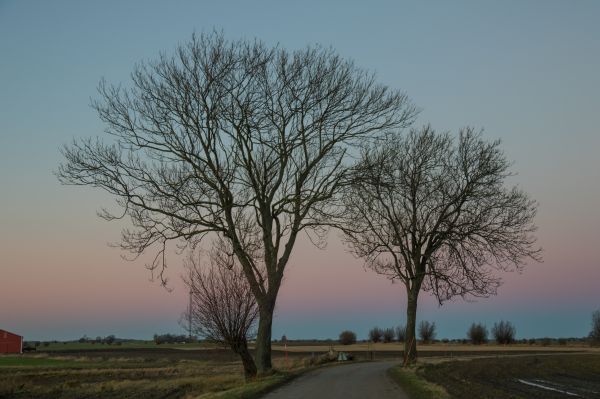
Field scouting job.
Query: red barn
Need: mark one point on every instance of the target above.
(10, 343)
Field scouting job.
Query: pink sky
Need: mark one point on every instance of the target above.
(525, 73)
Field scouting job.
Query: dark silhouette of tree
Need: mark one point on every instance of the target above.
(237, 140)
(223, 308)
(375, 334)
(347, 338)
(477, 334)
(595, 333)
(504, 332)
(434, 212)
(388, 335)
(401, 333)
(427, 331)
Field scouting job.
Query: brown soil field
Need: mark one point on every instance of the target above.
(519, 377)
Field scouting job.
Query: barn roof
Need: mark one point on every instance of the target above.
(2, 331)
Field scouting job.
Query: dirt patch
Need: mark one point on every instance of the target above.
(548, 376)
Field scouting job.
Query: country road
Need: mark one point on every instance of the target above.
(359, 380)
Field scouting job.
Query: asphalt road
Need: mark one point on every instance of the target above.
(359, 380)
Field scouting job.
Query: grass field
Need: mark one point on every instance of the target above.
(133, 373)
(62, 346)
(144, 370)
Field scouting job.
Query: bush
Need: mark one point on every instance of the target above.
(477, 334)
(375, 334)
(595, 333)
(388, 335)
(347, 338)
(427, 331)
(109, 339)
(504, 332)
(400, 333)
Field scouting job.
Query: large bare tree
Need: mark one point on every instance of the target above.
(222, 307)
(234, 139)
(436, 213)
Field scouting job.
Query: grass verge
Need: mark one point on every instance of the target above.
(256, 388)
(415, 386)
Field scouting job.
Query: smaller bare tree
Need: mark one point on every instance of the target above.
(375, 334)
(436, 212)
(401, 333)
(477, 334)
(504, 332)
(427, 331)
(347, 337)
(222, 307)
(388, 335)
(595, 333)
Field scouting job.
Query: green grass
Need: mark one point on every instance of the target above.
(60, 346)
(20, 361)
(415, 386)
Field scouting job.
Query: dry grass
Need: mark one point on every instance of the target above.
(137, 373)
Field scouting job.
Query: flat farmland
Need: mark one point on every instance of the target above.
(546, 376)
(132, 373)
(191, 371)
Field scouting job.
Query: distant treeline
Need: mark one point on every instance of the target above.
(173, 339)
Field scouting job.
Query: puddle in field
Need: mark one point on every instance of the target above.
(546, 385)
(577, 389)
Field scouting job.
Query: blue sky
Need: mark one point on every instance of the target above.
(525, 71)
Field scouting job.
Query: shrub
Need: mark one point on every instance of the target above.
(375, 334)
(504, 332)
(109, 339)
(595, 333)
(477, 334)
(347, 337)
(400, 333)
(388, 335)
(427, 331)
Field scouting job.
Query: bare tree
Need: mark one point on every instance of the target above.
(347, 337)
(477, 334)
(595, 332)
(388, 335)
(233, 139)
(434, 212)
(427, 331)
(504, 332)
(222, 306)
(375, 335)
(401, 333)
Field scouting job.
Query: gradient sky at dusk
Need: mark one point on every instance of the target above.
(526, 71)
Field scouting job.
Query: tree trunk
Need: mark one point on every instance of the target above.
(410, 342)
(247, 360)
(263, 337)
